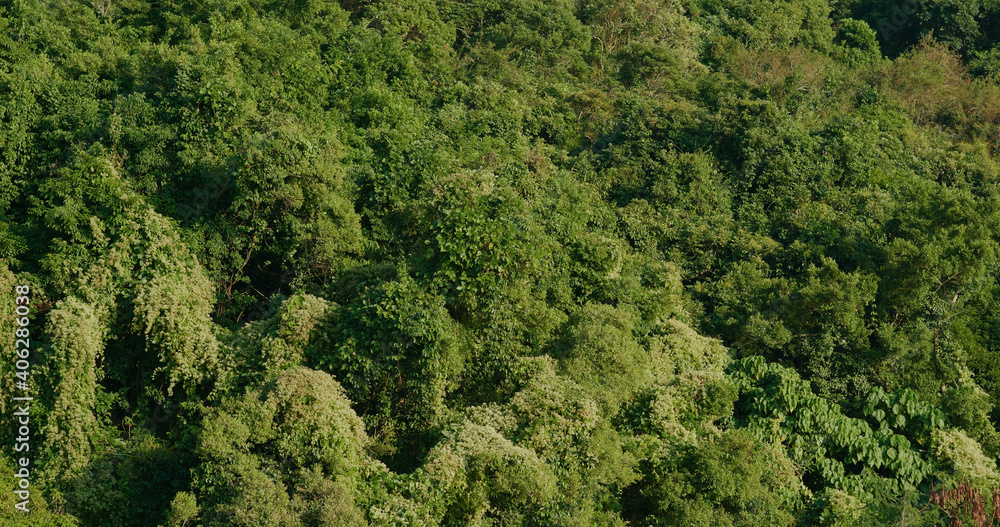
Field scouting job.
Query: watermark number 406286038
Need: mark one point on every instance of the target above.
(22, 398)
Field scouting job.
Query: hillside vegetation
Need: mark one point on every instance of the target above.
(521, 263)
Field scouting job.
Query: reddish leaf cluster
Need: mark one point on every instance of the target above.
(966, 498)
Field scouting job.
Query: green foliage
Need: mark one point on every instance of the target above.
(183, 509)
(40, 513)
(555, 418)
(263, 349)
(966, 26)
(868, 459)
(859, 46)
(476, 476)
(172, 311)
(270, 455)
(473, 250)
(130, 485)
(770, 23)
(964, 458)
(398, 353)
(8, 280)
(550, 34)
(652, 41)
(602, 354)
(73, 431)
(729, 480)
(622, 262)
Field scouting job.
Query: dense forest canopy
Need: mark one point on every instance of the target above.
(522, 263)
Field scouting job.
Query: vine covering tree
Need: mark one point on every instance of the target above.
(441, 263)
